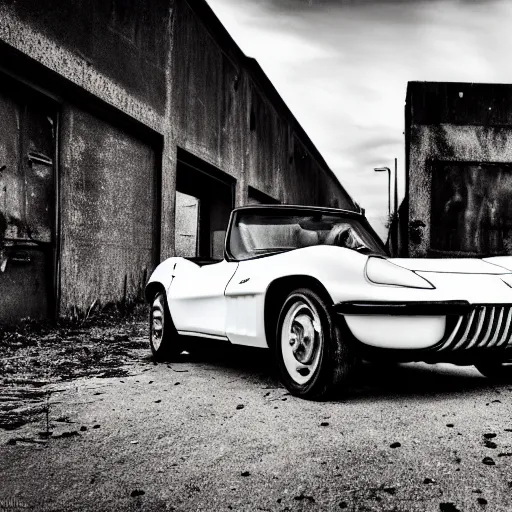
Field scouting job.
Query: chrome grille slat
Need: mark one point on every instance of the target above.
(509, 339)
(452, 336)
(466, 332)
(488, 332)
(481, 319)
(505, 334)
(497, 329)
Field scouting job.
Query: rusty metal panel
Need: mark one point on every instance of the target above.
(38, 164)
(455, 123)
(109, 224)
(11, 175)
(27, 192)
(26, 284)
(449, 143)
(471, 208)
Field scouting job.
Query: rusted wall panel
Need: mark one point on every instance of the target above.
(11, 175)
(471, 208)
(448, 143)
(108, 211)
(451, 122)
(26, 205)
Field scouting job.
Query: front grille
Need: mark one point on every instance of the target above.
(481, 327)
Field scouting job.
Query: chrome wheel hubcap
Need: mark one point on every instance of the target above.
(301, 340)
(157, 321)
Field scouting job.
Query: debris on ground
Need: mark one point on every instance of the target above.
(37, 356)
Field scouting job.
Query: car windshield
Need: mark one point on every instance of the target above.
(255, 234)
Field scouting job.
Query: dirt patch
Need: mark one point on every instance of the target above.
(36, 356)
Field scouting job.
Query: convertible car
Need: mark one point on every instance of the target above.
(316, 286)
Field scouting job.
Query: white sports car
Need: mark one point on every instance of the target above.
(316, 286)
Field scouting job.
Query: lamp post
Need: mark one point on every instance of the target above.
(395, 209)
(382, 169)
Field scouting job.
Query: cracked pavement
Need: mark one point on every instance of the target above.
(216, 431)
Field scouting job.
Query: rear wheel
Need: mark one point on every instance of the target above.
(497, 369)
(314, 357)
(164, 340)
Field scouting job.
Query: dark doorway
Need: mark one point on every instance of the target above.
(204, 200)
(471, 208)
(28, 134)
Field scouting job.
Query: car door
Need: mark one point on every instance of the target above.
(196, 298)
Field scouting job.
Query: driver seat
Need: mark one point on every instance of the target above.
(307, 238)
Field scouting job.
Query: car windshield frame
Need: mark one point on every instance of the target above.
(299, 211)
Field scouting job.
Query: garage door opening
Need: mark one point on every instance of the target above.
(204, 200)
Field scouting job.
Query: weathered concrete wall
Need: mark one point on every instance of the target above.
(108, 211)
(450, 122)
(227, 112)
(166, 69)
(115, 50)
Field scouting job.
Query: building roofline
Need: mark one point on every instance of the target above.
(213, 24)
(448, 82)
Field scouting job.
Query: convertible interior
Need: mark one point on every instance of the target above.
(250, 240)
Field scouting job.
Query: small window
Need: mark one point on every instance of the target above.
(204, 200)
(186, 225)
(218, 244)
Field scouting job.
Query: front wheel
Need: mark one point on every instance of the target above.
(315, 357)
(164, 340)
(496, 369)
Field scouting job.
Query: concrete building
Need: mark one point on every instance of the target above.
(129, 130)
(459, 170)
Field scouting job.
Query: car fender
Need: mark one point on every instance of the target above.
(163, 275)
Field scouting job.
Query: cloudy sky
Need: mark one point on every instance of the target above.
(342, 66)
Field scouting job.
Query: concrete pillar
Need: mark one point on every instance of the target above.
(169, 155)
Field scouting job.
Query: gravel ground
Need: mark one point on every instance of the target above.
(91, 423)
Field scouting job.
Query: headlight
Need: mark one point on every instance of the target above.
(382, 271)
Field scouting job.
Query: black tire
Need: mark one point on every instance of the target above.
(499, 370)
(164, 340)
(312, 369)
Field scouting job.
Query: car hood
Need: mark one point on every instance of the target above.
(494, 265)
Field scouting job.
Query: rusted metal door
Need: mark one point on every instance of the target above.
(27, 206)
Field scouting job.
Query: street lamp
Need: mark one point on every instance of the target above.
(382, 169)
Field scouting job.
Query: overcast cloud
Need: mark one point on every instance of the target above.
(343, 66)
